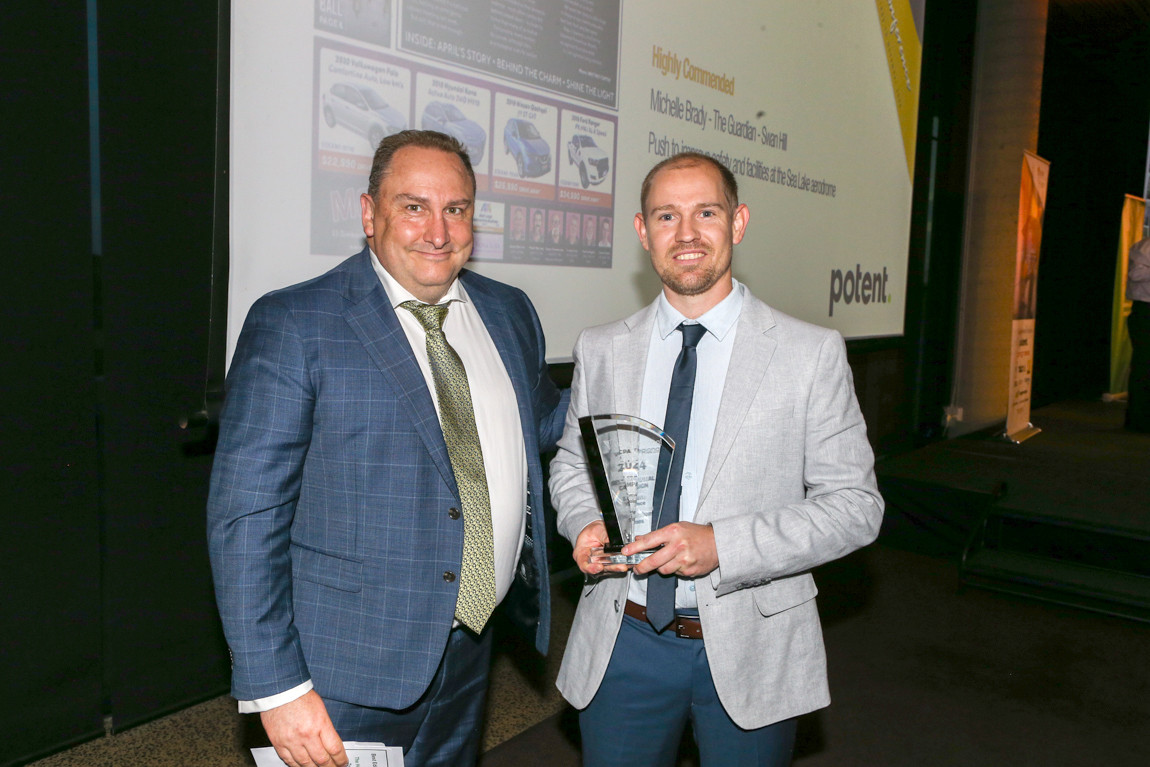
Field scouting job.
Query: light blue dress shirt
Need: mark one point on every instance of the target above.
(714, 357)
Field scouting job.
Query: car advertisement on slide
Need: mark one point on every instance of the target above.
(543, 161)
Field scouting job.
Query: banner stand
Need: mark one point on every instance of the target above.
(1020, 436)
(1031, 210)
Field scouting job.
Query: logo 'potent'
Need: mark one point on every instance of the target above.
(858, 285)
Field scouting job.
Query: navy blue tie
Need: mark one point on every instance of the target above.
(661, 588)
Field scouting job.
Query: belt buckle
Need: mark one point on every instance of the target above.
(682, 630)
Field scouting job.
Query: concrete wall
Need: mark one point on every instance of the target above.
(1009, 51)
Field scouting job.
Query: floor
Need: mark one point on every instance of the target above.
(921, 674)
(522, 693)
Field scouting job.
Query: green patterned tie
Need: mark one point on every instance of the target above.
(457, 418)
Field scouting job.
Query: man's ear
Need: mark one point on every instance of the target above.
(739, 223)
(367, 213)
(641, 230)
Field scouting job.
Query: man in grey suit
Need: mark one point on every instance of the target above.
(776, 478)
(376, 486)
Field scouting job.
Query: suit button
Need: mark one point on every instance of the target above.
(448, 576)
(453, 513)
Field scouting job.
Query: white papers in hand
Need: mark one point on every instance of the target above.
(358, 755)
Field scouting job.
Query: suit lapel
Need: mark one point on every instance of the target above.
(629, 361)
(371, 318)
(754, 347)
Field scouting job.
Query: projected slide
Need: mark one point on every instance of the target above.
(569, 48)
(563, 107)
(528, 149)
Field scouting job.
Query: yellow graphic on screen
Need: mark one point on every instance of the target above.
(903, 56)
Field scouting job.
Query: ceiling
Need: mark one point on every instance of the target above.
(1105, 32)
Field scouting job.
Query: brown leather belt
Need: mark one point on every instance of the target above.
(687, 628)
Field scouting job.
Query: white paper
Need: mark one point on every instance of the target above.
(358, 755)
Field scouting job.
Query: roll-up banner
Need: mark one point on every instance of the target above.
(1133, 219)
(1031, 207)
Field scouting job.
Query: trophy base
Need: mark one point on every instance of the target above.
(610, 555)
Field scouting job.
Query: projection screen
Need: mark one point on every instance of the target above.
(565, 105)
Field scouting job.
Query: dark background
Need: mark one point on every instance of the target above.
(109, 618)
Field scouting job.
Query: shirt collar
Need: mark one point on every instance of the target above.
(718, 320)
(397, 294)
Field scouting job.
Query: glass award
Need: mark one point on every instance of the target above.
(623, 459)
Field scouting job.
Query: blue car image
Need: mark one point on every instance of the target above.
(446, 118)
(532, 153)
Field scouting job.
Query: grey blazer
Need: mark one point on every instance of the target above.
(789, 484)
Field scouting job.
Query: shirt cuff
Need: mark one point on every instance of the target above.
(274, 701)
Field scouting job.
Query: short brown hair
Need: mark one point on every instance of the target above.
(426, 139)
(686, 160)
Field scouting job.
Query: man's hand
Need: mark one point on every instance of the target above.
(687, 550)
(302, 733)
(593, 536)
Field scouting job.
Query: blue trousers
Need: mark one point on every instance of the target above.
(443, 728)
(653, 685)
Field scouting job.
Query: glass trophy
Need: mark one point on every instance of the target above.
(623, 458)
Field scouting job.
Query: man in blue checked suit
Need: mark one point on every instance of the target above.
(377, 483)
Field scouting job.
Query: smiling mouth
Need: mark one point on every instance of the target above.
(435, 254)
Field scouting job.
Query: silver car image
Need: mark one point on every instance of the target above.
(361, 109)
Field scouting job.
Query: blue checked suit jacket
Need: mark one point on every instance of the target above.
(328, 521)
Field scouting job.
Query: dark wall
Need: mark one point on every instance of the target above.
(938, 214)
(109, 611)
(157, 114)
(50, 638)
(1093, 130)
(903, 384)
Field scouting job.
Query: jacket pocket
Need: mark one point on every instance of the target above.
(784, 593)
(326, 570)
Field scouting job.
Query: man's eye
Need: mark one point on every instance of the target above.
(455, 211)
(707, 213)
(414, 207)
(665, 217)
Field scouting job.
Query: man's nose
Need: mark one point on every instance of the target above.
(686, 231)
(437, 233)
